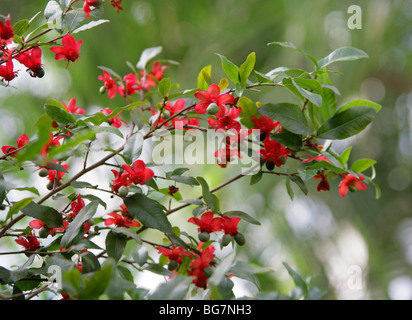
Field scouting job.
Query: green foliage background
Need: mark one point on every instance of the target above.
(321, 235)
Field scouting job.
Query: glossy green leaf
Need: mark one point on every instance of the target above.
(148, 211)
(246, 68)
(115, 245)
(361, 103)
(164, 86)
(90, 25)
(75, 226)
(290, 116)
(59, 115)
(346, 123)
(211, 200)
(231, 70)
(362, 165)
(342, 54)
(243, 215)
(51, 217)
(19, 205)
(133, 148)
(147, 55)
(20, 27)
(204, 78)
(174, 289)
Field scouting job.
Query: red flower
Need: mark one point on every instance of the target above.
(139, 173)
(32, 60)
(156, 73)
(30, 242)
(76, 206)
(229, 225)
(90, 3)
(6, 30)
(71, 108)
(120, 179)
(227, 122)
(53, 141)
(207, 222)
(121, 221)
(323, 184)
(7, 72)
(109, 84)
(227, 154)
(264, 124)
(199, 264)
(132, 85)
(175, 253)
(56, 176)
(317, 158)
(273, 152)
(69, 51)
(38, 224)
(115, 121)
(116, 5)
(350, 182)
(212, 95)
(21, 142)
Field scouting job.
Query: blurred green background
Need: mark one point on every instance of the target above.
(355, 247)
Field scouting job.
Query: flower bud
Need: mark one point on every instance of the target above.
(43, 172)
(173, 265)
(212, 109)
(39, 73)
(167, 114)
(261, 136)
(123, 191)
(352, 188)
(270, 165)
(204, 236)
(102, 89)
(240, 239)
(2, 207)
(226, 239)
(50, 185)
(44, 232)
(208, 271)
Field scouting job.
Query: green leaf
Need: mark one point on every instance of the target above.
(113, 73)
(75, 226)
(326, 165)
(246, 68)
(147, 55)
(97, 284)
(115, 244)
(211, 200)
(148, 212)
(164, 86)
(290, 45)
(186, 180)
(51, 217)
(33, 148)
(90, 25)
(297, 278)
(289, 188)
(221, 269)
(30, 189)
(59, 114)
(315, 98)
(21, 26)
(231, 70)
(361, 103)
(249, 109)
(158, 269)
(128, 232)
(74, 18)
(344, 157)
(291, 140)
(243, 215)
(301, 184)
(342, 54)
(133, 148)
(290, 116)
(328, 108)
(346, 123)
(361, 165)
(204, 78)
(19, 205)
(90, 262)
(174, 289)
